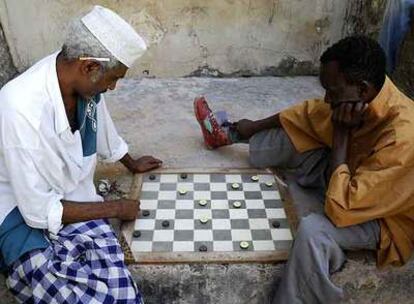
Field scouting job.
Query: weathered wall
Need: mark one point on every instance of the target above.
(404, 70)
(216, 37)
(364, 17)
(7, 69)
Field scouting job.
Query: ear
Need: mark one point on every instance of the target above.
(367, 91)
(88, 67)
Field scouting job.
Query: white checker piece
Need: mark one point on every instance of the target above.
(227, 226)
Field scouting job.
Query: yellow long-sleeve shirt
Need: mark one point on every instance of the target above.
(378, 180)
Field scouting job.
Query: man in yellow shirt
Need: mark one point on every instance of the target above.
(358, 145)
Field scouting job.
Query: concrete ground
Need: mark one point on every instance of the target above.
(155, 116)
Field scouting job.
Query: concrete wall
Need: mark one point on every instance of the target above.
(403, 74)
(7, 69)
(215, 37)
(364, 17)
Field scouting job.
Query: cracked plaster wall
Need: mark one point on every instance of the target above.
(364, 17)
(7, 69)
(198, 38)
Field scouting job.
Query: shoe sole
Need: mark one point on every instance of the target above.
(200, 120)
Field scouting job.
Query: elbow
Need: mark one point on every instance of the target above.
(337, 215)
(50, 220)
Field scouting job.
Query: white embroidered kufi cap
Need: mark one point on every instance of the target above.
(115, 34)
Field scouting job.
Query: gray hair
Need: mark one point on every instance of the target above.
(80, 42)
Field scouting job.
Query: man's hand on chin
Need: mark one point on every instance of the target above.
(345, 117)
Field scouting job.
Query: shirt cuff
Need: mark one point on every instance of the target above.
(54, 217)
(336, 196)
(338, 183)
(118, 153)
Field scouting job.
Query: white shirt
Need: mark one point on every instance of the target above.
(41, 160)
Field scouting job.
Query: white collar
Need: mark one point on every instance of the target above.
(52, 84)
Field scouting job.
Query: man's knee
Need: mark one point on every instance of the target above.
(271, 148)
(313, 228)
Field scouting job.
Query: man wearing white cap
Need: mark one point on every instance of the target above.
(55, 241)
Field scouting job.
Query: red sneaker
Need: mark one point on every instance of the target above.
(214, 135)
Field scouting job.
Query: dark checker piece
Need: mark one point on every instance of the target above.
(145, 213)
(136, 234)
(152, 177)
(276, 224)
(202, 248)
(183, 175)
(165, 224)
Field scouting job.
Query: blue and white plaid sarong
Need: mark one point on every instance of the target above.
(83, 264)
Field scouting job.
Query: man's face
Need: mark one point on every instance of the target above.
(96, 82)
(337, 89)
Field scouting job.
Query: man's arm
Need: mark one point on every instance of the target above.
(378, 188)
(247, 128)
(73, 212)
(345, 117)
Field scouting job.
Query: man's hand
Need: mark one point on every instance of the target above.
(248, 128)
(142, 164)
(348, 115)
(127, 209)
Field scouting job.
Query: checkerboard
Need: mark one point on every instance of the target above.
(260, 220)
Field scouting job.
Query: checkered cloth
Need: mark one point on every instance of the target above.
(84, 264)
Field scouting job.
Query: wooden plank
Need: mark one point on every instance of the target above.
(211, 257)
(288, 203)
(211, 170)
(104, 170)
(128, 227)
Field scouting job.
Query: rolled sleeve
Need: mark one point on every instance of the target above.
(38, 201)
(380, 187)
(308, 124)
(39, 205)
(54, 217)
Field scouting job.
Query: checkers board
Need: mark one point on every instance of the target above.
(207, 216)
